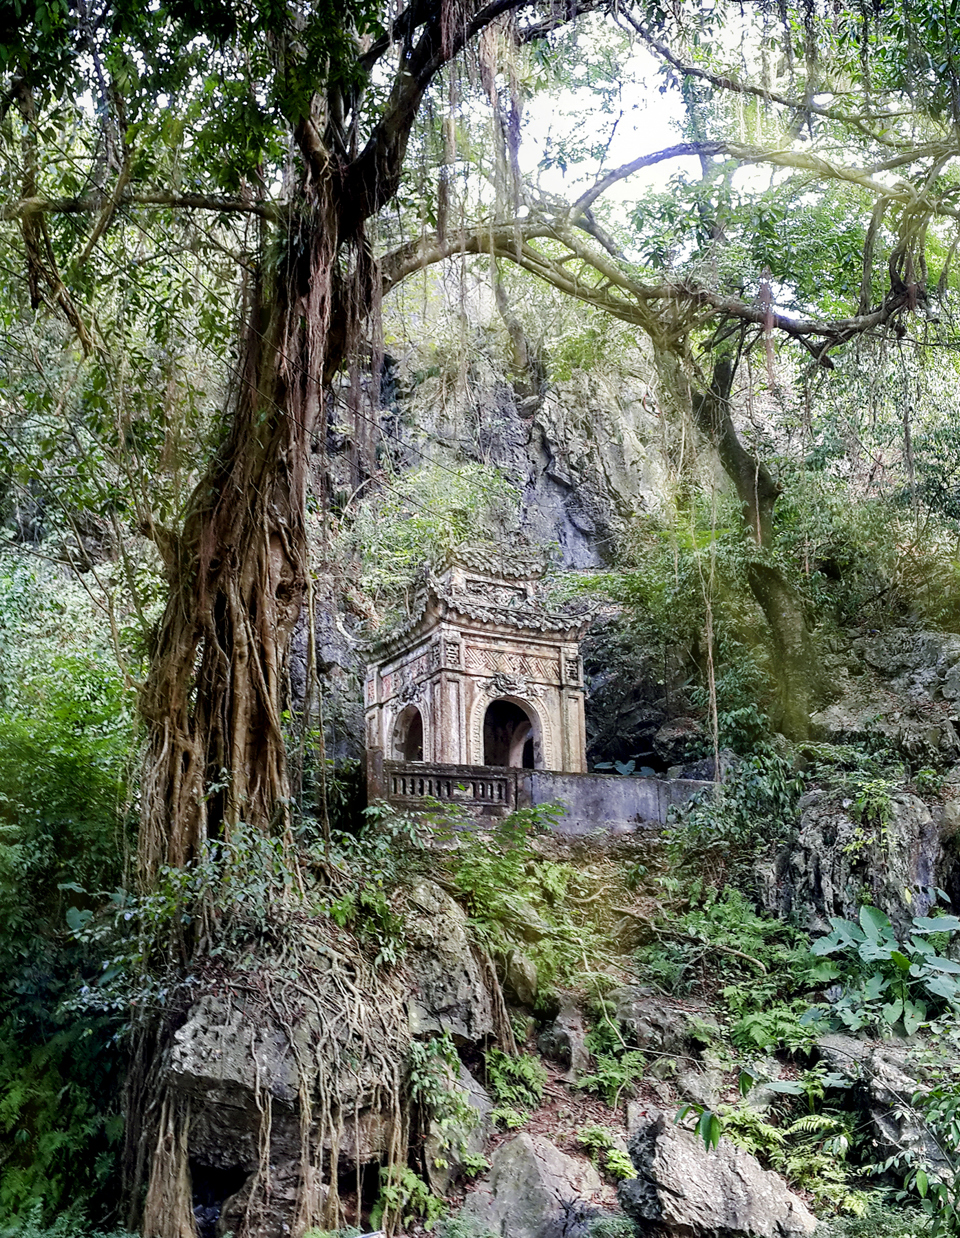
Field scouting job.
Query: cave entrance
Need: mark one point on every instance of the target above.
(408, 735)
(511, 736)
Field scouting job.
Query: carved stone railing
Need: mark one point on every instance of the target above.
(487, 788)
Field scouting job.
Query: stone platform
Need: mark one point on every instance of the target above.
(590, 801)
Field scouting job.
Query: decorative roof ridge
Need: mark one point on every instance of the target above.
(520, 561)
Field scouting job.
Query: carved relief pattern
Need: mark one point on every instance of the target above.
(511, 685)
(496, 595)
(571, 670)
(523, 664)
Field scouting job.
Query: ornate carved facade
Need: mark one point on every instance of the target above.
(483, 675)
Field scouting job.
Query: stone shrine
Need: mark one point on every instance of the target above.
(481, 678)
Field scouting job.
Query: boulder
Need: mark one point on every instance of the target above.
(564, 1040)
(886, 1076)
(254, 1048)
(677, 741)
(662, 1026)
(449, 992)
(683, 1188)
(534, 1190)
(520, 979)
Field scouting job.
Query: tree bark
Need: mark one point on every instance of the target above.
(238, 572)
(799, 676)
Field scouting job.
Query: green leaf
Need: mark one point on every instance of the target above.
(901, 961)
(892, 1011)
(76, 918)
(914, 1014)
(875, 923)
(936, 924)
(709, 1128)
(875, 986)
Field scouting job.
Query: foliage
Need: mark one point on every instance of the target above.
(405, 1198)
(417, 518)
(725, 931)
(722, 830)
(601, 1145)
(507, 887)
(433, 1071)
(464, 1227)
(64, 1226)
(514, 1081)
(617, 1067)
(612, 1227)
(66, 738)
(780, 1026)
(887, 982)
(509, 1118)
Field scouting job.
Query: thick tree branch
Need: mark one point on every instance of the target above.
(616, 292)
(601, 186)
(87, 204)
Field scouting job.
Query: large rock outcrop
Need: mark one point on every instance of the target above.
(328, 1029)
(682, 1188)
(902, 685)
(885, 1075)
(836, 863)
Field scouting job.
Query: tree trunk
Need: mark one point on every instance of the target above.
(799, 677)
(238, 572)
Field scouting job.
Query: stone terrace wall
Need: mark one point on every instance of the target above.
(590, 801)
(607, 801)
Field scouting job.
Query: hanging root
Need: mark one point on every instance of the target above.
(168, 1211)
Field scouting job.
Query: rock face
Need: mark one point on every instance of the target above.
(449, 993)
(684, 1189)
(678, 1029)
(901, 684)
(445, 1149)
(884, 1074)
(533, 1190)
(835, 865)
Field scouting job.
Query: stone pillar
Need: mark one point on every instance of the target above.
(376, 784)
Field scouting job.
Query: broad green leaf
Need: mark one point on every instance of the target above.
(875, 986)
(875, 923)
(936, 924)
(789, 1087)
(914, 1013)
(892, 1011)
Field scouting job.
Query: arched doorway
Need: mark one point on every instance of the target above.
(408, 735)
(510, 736)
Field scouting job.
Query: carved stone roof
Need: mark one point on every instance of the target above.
(519, 561)
(486, 585)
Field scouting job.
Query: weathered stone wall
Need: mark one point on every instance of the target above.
(607, 802)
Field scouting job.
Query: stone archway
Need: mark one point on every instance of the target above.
(408, 735)
(511, 735)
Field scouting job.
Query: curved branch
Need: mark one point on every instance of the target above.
(617, 293)
(722, 82)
